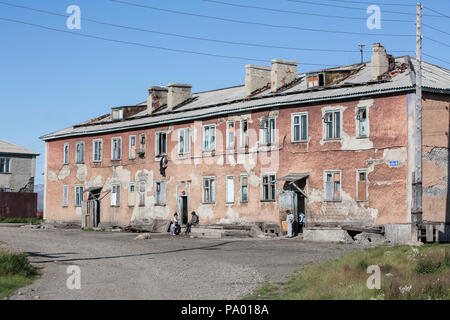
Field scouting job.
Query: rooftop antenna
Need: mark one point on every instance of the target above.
(361, 48)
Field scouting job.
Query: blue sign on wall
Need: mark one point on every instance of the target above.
(393, 163)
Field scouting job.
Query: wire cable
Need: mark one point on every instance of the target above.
(437, 41)
(440, 14)
(436, 29)
(146, 45)
(427, 55)
(379, 4)
(256, 23)
(296, 12)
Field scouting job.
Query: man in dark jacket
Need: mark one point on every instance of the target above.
(194, 220)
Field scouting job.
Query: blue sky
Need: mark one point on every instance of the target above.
(51, 80)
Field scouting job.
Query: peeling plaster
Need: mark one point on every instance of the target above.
(232, 217)
(205, 211)
(81, 172)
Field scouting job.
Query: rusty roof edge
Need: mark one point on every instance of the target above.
(207, 115)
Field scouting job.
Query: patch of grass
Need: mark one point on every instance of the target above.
(22, 220)
(92, 229)
(15, 272)
(406, 273)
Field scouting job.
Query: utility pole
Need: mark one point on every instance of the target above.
(361, 46)
(417, 177)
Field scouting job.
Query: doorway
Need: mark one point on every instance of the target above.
(183, 200)
(93, 206)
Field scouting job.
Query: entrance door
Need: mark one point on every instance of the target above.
(183, 209)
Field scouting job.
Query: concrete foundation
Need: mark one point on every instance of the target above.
(326, 234)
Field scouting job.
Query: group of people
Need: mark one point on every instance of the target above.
(175, 227)
(290, 219)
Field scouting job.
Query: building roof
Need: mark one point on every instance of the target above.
(225, 101)
(6, 147)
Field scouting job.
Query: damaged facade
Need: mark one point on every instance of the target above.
(338, 141)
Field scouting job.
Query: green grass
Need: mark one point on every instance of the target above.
(406, 273)
(22, 220)
(15, 272)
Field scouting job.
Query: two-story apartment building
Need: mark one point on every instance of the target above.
(340, 139)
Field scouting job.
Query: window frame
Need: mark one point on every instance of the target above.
(273, 189)
(228, 178)
(358, 122)
(130, 156)
(131, 184)
(65, 196)
(78, 187)
(211, 145)
(300, 124)
(117, 199)
(333, 121)
(66, 156)
(5, 160)
(211, 194)
(157, 143)
(76, 152)
(230, 146)
(112, 148)
(318, 74)
(160, 197)
(142, 147)
(186, 142)
(272, 131)
(242, 135)
(93, 150)
(241, 200)
(366, 172)
(332, 172)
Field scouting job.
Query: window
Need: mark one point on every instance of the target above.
(142, 194)
(115, 195)
(142, 145)
(66, 153)
(244, 133)
(208, 190)
(267, 131)
(131, 194)
(65, 196)
(332, 185)
(361, 185)
(78, 195)
(332, 122)
(209, 138)
(230, 135)
(132, 147)
(244, 188)
(79, 155)
(362, 122)
(299, 127)
(183, 141)
(268, 187)
(117, 114)
(160, 193)
(230, 189)
(116, 148)
(5, 165)
(97, 150)
(315, 80)
(160, 144)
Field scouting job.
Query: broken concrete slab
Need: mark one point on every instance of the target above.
(370, 238)
(143, 236)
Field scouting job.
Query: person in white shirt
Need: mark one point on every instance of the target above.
(289, 222)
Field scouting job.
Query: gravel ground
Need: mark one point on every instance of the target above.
(115, 266)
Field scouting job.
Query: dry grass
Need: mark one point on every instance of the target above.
(406, 273)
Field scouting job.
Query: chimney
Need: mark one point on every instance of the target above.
(157, 97)
(256, 77)
(283, 73)
(380, 61)
(177, 94)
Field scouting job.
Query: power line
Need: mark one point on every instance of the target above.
(183, 36)
(295, 12)
(148, 46)
(353, 8)
(256, 23)
(437, 41)
(440, 14)
(436, 29)
(382, 4)
(436, 58)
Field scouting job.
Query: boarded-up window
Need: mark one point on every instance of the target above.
(362, 123)
(115, 195)
(362, 185)
(142, 193)
(131, 194)
(160, 193)
(230, 189)
(230, 135)
(65, 196)
(333, 186)
(315, 80)
(132, 147)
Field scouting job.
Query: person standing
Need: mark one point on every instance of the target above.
(289, 222)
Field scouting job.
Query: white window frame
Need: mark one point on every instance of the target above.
(227, 194)
(300, 125)
(211, 144)
(241, 134)
(66, 155)
(65, 196)
(119, 139)
(274, 187)
(130, 147)
(333, 121)
(101, 150)
(230, 142)
(115, 196)
(241, 186)
(268, 133)
(318, 74)
(212, 191)
(185, 146)
(358, 121)
(142, 147)
(157, 144)
(160, 196)
(76, 188)
(77, 160)
(131, 185)
(5, 168)
(358, 171)
(325, 173)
